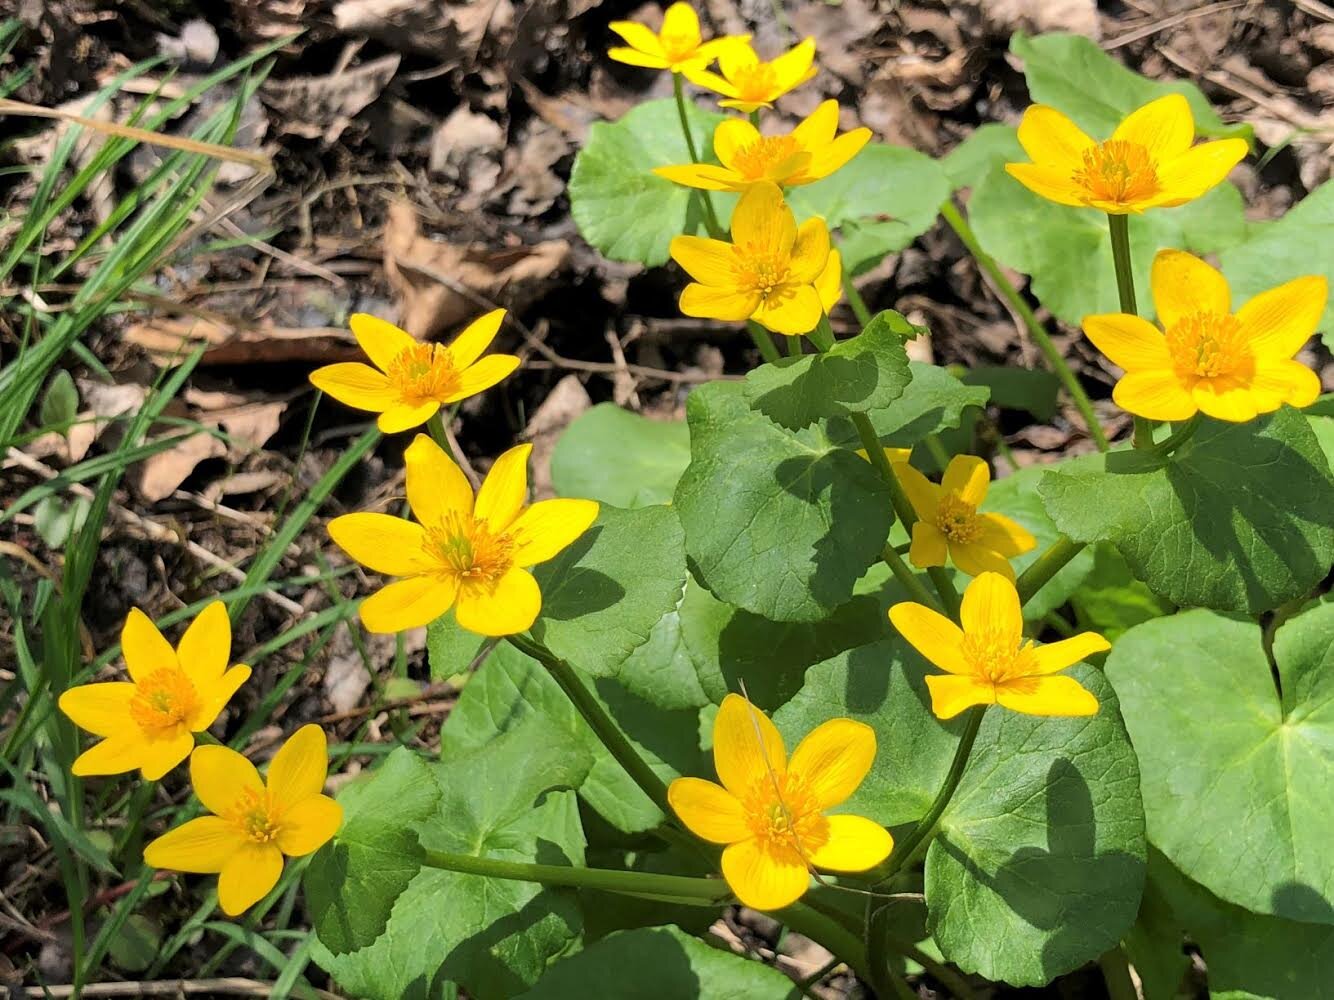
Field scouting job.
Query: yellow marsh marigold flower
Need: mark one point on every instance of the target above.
(470, 555)
(988, 661)
(253, 825)
(1231, 366)
(677, 47)
(1148, 162)
(769, 810)
(149, 721)
(747, 83)
(774, 272)
(948, 521)
(414, 380)
(807, 153)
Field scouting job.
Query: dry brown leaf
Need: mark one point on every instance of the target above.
(321, 107)
(167, 339)
(567, 399)
(161, 475)
(447, 32)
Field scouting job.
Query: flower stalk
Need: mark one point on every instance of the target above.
(1119, 227)
(710, 218)
(1046, 566)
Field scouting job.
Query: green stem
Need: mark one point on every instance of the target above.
(765, 343)
(854, 297)
(1036, 330)
(710, 219)
(1178, 437)
(1119, 228)
(435, 426)
(1046, 566)
(910, 581)
(598, 720)
(810, 922)
(678, 888)
(1116, 974)
(903, 853)
(793, 345)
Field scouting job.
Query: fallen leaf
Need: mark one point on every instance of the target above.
(161, 475)
(567, 399)
(168, 339)
(321, 107)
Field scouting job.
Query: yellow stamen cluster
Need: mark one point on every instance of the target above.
(469, 551)
(257, 816)
(783, 815)
(755, 159)
(754, 82)
(1118, 171)
(423, 372)
(164, 699)
(1208, 344)
(759, 268)
(957, 519)
(996, 655)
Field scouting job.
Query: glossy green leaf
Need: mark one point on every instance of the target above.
(1236, 775)
(989, 144)
(1110, 600)
(1038, 864)
(619, 457)
(802, 519)
(1034, 390)
(865, 372)
(1241, 518)
(451, 650)
(620, 206)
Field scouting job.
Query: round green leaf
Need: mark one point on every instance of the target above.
(933, 401)
(621, 458)
(1236, 775)
(970, 161)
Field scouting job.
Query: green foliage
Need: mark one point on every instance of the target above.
(1110, 600)
(618, 457)
(970, 161)
(620, 206)
(57, 520)
(60, 402)
(934, 401)
(865, 372)
(1219, 735)
(1029, 389)
(1241, 518)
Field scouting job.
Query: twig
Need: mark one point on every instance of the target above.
(1171, 22)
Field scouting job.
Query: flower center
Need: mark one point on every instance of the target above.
(164, 699)
(755, 160)
(1208, 344)
(783, 815)
(957, 519)
(1117, 171)
(755, 82)
(256, 816)
(998, 655)
(678, 46)
(758, 269)
(423, 372)
(468, 551)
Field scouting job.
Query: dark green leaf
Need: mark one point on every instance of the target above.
(1031, 389)
(450, 649)
(618, 457)
(60, 402)
(934, 401)
(1110, 599)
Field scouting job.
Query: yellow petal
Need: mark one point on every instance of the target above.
(308, 825)
(711, 302)
(202, 846)
(1053, 183)
(436, 485)
(790, 309)
(143, 647)
(638, 36)
(746, 745)
(1183, 284)
(836, 154)
(548, 526)
(299, 768)
(1195, 171)
(681, 20)
(1129, 341)
(1225, 398)
(356, 385)
(1055, 656)
(483, 375)
(221, 776)
(829, 285)
(764, 879)
(701, 77)
(632, 57)
(950, 695)
(708, 811)
(817, 130)
(410, 603)
(380, 339)
(115, 755)
(991, 604)
(705, 260)
(505, 489)
(932, 634)
(1279, 382)
(974, 558)
(206, 646)
(102, 709)
(923, 494)
(855, 844)
(762, 218)
(475, 338)
(405, 416)
(214, 696)
(704, 176)
(248, 877)
(1280, 321)
(1062, 696)
(1163, 127)
(511, 606)
(1051, 139)
(730, 137)
(833, 760)
(159, 755)
(1158, 395)
(929, 547)
(381, 542)
(736, 57)
(810, 252)
(967, 476)
(745, 107)
(793, 67)
(1004, 535)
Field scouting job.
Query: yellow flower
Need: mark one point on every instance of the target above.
(253, 826)
(1231, 366)
(677, 47)
(988, 661)
(896, 456)
(775, 272)
(807, 153)
(948, 520)
(747, 83)
(149, 721)
(1147, 163)
(414, 380)
(471, 556)
(769, 810)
